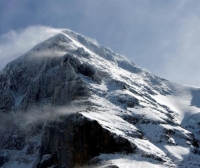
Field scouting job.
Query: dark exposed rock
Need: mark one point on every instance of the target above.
(3, 160)
(49, 160)
(112, 166)
(124, 100)
(92, 144)
(14, 142)
(169, 132)
(81, 52)
(195, 143)
(87, 70)
(147, 155)
(73, 61)
(74, 142)
(131, 119)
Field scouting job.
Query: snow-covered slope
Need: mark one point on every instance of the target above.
(154, 122)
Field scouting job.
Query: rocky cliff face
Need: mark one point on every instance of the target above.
(35, 79)
(70, 102)
(76, 140)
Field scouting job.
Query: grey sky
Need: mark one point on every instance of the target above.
(161, 36)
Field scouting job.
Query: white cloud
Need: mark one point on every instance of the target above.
(17, 42)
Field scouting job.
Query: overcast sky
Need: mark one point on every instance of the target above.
(162, 36)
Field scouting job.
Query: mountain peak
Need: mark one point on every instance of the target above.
(76, 103)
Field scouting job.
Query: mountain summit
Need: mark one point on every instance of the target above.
(70, 102)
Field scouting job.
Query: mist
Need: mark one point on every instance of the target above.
(17, 42)
(27, 122)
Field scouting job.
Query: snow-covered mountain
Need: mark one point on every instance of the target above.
(70, 102)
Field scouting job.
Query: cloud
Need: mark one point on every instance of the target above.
(38, 115)
(17, 42)
(34, 116)
(29, 122)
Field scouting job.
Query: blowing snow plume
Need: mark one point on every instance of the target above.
(15, 43)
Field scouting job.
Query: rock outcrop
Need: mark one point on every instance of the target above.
(76, 140)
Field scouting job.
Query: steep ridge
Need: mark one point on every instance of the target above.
(70, 102)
